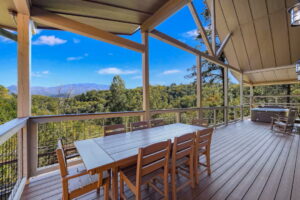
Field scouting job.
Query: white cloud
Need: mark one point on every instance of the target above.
(76, 41)
(40, 74)
(192, 33)
(136, 77)
(77, 57)
(50, 40)
(116, 71)
(38, 31)
(172, 71)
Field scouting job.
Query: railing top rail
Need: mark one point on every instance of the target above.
(84, 116)
(272, 96)
(10, 128)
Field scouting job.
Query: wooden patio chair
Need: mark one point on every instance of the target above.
(75, 184)
(114, 129)
(157, 122)
(182, 156)
(202, 148)
(134, 126)
(200, 122)
(285, 124)
(69, 148)
(152, 163)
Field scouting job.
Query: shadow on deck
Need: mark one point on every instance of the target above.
(248, 162)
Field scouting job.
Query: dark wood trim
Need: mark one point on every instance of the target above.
(120, 7)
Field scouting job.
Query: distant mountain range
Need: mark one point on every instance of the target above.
(62, 90)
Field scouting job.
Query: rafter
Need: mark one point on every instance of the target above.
(8, 34)
(269, 69)
(221, 48)
(213, 26)
(172, 41)
(57, 21)
(163, 13)
(201, 29)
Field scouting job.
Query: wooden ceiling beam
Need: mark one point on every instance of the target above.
(276, 82)
(172, 41)
(213, 26)
(269, 69)
(201, 29)
(163, 13)
(53, 20)
(8, 34)
(221, 48)
(22, 6)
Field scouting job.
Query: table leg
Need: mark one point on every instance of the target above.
(115, 188)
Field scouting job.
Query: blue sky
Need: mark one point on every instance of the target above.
(60, 57)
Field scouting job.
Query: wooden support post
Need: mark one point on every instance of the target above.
(241, 96)
(226, 95)
(213, 26)
(24, 96)
(251, 96)
(178, 117)
(199, 86)
(215, 117)
(146, 87)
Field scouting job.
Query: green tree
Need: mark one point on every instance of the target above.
(117, 98)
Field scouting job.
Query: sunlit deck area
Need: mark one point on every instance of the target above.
(248, 162)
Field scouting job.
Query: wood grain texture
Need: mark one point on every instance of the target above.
(246, 160)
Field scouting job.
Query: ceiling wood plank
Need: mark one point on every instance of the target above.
(172, 41)
(54, 20)
(200, 27)
(244, 15)
(163, 13)
(237, 38)
(263, 32)
(22, 6)
(8, 34)
(213, 25)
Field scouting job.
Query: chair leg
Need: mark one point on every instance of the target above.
(106, 190)
(208, 162)
(196, 161)
(173, 182)
(121, 188)
(166, 191)
(191, 166)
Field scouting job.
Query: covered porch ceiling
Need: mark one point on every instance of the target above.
(256, 36)
(263, 44)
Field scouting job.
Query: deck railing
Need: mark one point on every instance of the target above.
(43, 132)
(12, 175)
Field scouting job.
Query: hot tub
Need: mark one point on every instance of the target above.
(266, 114)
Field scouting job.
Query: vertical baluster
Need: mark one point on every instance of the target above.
(215, 117)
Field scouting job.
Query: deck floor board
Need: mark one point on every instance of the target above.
(248, 161)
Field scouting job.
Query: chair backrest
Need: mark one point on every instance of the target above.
(157, 122)
(134, 126)
(114, 129)
(200, 122)
(62, 161)
(203, 138)
(292, 116)
(183, 146)
(153, 157)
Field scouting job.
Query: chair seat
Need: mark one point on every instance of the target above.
(130, 173)
(85, 180)
(280, 123)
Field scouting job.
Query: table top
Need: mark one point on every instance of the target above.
(105, 152)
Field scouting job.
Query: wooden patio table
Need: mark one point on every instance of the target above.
(113, 151)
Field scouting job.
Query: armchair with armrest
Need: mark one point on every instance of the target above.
(284, 124)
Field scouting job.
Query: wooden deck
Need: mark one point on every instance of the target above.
(248, 162)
